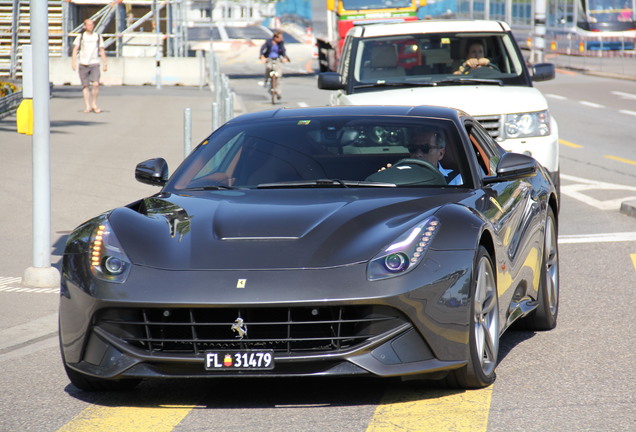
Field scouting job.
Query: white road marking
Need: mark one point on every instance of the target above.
(591, 104)
(598, 238)
(14, 284)
(582, 185)
(303, 104)
(624, 95)
(555, 96)
(628, 112)
(30, 290)
(5, 281)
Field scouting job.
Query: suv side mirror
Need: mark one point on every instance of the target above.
(513, 166)
(152, 171)
(543, 72)
(330, 81)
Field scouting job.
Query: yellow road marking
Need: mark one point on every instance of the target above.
(633, 260)
(619, 159)
(163, 418)
(432, 410)
(570, 144)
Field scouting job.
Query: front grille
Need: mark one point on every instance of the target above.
(492, 124)
(286, 330)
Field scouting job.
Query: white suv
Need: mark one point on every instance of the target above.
(423, 63)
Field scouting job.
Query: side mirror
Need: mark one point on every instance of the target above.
(330, 81)
(543, 72)
(153, 172)
(513, 166)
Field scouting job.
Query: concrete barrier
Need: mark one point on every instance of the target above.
(186, 71)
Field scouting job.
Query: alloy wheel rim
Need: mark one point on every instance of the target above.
(486, 317)
(552, 267)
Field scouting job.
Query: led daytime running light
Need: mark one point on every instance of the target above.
(107, 260)
(96, 246)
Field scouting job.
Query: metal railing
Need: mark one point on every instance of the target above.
(9, 104)
(223, 105)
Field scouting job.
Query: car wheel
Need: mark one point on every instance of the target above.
(484, 328)
(545, 315)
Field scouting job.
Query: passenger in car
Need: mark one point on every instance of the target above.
(475, 58)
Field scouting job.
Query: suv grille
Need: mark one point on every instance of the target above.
(293, 330)
(491, 123)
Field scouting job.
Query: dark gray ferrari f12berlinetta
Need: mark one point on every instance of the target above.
(332, 241)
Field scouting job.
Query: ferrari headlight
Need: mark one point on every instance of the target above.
(527, 124)
(107, 258)
(405, 252)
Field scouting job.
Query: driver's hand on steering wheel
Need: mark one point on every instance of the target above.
(474, 63)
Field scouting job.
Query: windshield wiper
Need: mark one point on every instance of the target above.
(323, 183)
(208, 188)
(396, 84)
(468, 81)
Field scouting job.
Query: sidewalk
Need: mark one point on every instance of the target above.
(93, 158)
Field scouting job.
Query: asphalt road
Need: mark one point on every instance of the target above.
(578, 377)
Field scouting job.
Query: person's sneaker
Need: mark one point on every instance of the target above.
(279, 96)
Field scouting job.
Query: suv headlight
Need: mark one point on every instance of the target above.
(524, 125)
(107, 259)
(405, 252)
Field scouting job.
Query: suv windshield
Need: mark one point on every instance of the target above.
(325, 152)
(437, 59)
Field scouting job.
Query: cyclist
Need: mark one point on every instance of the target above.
(271, 52)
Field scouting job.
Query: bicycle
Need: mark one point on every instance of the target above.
(275, 74)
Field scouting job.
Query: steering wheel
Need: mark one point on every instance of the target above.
(430, 175)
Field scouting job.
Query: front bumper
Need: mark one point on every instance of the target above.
(381, 328)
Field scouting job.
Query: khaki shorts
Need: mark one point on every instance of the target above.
(89, 74)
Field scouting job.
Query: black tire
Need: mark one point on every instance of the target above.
(274, 89)
(484, 328)
(544, 317)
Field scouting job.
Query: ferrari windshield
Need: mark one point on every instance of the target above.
(437, 59)
(322, 151)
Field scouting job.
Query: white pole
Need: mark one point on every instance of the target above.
(41, 274)
(538, 44)
(187, 132)
(155, 8)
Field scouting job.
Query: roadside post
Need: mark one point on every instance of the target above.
(539, 21)
(41, 274)
(187, 132)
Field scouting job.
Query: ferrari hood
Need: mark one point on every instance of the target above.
(269, 229)
(476, 100)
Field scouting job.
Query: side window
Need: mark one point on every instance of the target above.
(485, 154)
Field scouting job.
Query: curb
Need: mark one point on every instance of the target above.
(597, 73)
(609, 75)
(628, 208)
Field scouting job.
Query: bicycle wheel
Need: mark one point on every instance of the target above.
(274, 88)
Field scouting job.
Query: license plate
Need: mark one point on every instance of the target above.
(239, 360)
